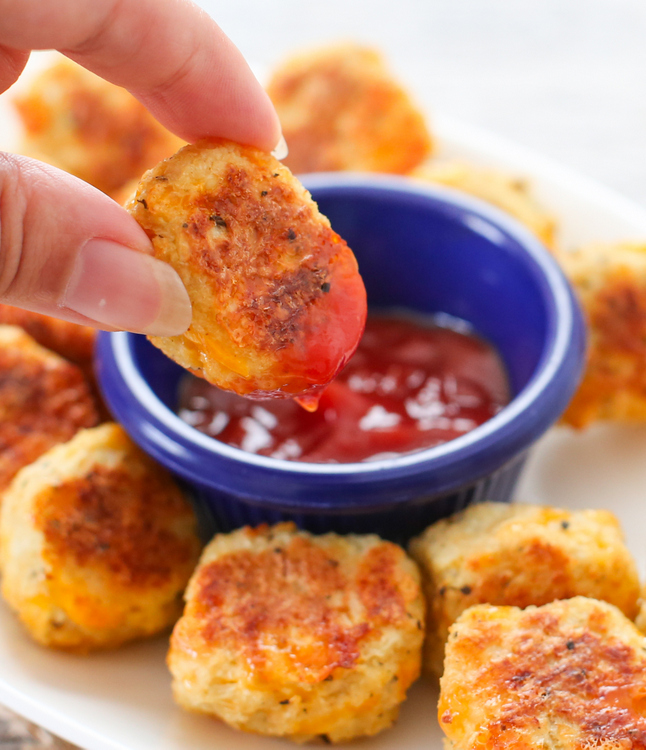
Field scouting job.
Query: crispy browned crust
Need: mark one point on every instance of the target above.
(611, 284)
(44, 400)
(616, 365)
(97, 543)
(118, 520)
(341, 109)
(91, 128)
(570, 675)
(72, 341)
(278, 304)
(301, 636)
(519, 555)
(246, 600)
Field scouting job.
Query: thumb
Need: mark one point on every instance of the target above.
(69, 251)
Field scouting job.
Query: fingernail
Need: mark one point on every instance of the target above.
(121, 288)
(281, 150)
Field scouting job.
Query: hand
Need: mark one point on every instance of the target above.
(68, 250)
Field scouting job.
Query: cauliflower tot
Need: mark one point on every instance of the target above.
(569, 675)
(516, 554)
(278, 303)
(44, 400)
(97, 543)
(300, 636)
(610, 282)
(92, 129)
(341, 109)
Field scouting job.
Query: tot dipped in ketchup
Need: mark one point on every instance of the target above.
(278, 302)
(409, 386)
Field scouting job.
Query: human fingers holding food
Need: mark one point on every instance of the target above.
(66, 249)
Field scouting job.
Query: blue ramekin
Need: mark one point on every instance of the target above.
(419, 247)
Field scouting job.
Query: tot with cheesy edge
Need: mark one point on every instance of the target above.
(516, 554)
(341, 109)
(610, 282)
(97, 543)
(299, 636)
(44, 400)
(93, 129)
(570, 675)
(278, 303)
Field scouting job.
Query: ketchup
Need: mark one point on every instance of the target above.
(409, 386)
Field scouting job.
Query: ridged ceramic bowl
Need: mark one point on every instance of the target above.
(425, 249)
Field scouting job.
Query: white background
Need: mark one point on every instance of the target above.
(566, 78)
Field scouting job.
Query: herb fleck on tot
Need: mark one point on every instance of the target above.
(291, 234)
(143, 202)
(219, 221)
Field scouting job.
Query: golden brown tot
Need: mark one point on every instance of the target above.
(97, 543)
(516, 554)
(341, 109)
(300, 636)
(569, 675)
(278, 303)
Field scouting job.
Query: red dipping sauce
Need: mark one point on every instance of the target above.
(408, 386)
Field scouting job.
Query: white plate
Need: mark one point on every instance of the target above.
(122, 700)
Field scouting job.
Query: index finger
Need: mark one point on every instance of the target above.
(171, 55)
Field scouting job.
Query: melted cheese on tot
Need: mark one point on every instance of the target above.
(278, 303)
